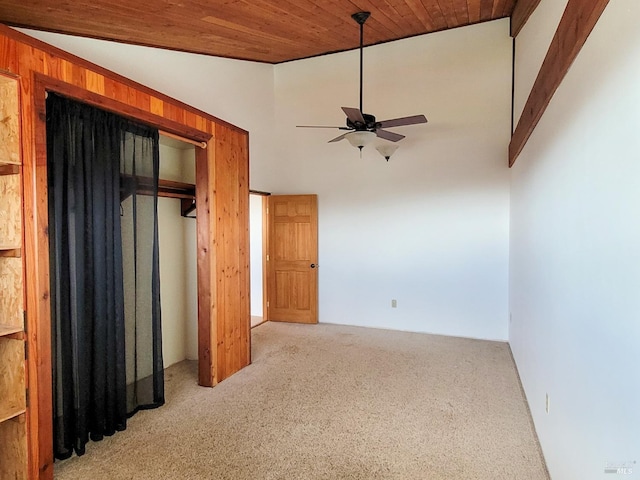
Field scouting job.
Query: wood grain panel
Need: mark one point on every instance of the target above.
(499, 6)
(9, 121)
(8, 54)
(486, 10)
(13, 438)
(206, 262)
(232, 226)
(271, 31)
(38, 306)
(521, 13)
(577, 22)
(12, 379)
(94, 82)
(461, 10)
(421, 14)
(10, 212)
(11, 284)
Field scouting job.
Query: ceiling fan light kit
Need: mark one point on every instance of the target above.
(387, 149)
(360, 139)
(363, 127)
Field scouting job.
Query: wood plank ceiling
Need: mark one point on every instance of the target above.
(270, 31)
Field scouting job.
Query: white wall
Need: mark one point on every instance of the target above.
(255, 234)
(575, 262)
(429, 228)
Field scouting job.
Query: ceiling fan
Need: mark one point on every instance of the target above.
(363, 127)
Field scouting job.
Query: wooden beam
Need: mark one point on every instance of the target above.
(576, 24)
(129, 110)
(206, 258)
(521, 13)
(82, 64)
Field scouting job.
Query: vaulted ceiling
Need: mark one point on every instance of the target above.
(271, 31)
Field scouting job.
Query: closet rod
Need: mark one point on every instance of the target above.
(183, 139)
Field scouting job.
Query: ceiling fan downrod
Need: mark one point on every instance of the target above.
(360, 18)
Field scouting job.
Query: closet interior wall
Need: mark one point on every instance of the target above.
(178, 259)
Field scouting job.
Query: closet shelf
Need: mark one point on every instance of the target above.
(6, 330)
(9, 168)
(144, 186)
(10, 251)
(186, 192)
(11, 414)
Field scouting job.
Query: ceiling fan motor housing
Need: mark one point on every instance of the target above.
(369, 123)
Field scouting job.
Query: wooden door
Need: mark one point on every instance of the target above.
(292, 258)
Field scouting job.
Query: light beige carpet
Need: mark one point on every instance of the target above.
(333, 402)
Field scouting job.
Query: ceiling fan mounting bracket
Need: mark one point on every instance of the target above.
(361, 17)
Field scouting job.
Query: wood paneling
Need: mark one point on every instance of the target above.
(11, 298)
(206, 261)
(578, 20)
(9, 123)
(269, 31)
(521, 13)
(223, 192)
(13, 439)
(12, 379)
(232, 254)
(10, 212)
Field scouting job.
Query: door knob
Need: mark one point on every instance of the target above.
(313, 265)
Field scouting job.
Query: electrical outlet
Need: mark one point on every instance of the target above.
(394, 303)
(547, 404)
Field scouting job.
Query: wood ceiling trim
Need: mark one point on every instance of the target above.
(521, 13)
(577, 23)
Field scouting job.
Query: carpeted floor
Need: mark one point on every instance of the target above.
(333, 402)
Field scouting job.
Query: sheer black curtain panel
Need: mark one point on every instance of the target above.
(105, 300)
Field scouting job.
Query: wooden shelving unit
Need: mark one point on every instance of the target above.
(13, 404)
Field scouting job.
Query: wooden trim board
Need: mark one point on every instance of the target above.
(578, 20)
(521, 13)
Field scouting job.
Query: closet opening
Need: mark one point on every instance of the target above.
(177, 236)
(96, 232)
(257, 254)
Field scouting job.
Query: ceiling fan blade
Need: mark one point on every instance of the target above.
(353, 114)
(400, 122)
(392, 137)
(337, 139)
(321, 126)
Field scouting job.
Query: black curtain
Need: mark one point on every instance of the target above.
(104, 352)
